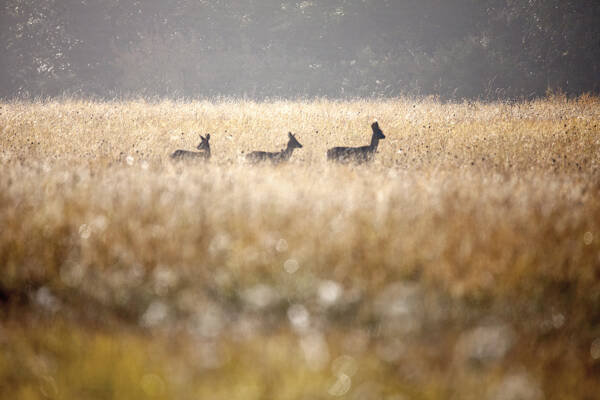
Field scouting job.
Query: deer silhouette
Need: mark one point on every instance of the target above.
(357, 154)
(275, 157)
(203, 154)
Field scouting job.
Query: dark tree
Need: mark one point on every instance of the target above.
(272, 48)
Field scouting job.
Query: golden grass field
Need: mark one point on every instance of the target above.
(463, 263)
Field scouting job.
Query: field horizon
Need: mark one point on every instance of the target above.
(463, 262)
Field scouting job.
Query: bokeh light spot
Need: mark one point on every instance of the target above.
(291, 265)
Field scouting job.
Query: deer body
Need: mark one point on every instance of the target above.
(357, 154)
(275, 157)
(203, 154)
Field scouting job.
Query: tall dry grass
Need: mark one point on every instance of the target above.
(464, 262)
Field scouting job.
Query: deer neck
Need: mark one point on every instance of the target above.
(287, 152)
(374, 142)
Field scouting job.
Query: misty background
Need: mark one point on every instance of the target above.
(271, 48)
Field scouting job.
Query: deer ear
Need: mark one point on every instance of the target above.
(290, 135)
(207, 136)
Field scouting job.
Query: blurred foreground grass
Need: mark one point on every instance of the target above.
(464, 263)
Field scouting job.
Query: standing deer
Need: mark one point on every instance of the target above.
(357, 154)
(276, 157)
(203, 154)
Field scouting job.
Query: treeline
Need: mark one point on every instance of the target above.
(271, 48)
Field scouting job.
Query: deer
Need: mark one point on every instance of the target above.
(203, 154)
(357, 154)
(275, 157)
